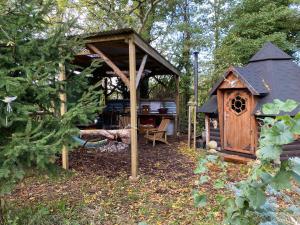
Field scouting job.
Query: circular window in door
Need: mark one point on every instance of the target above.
(238, 104)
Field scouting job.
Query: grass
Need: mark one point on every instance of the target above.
(90, 194)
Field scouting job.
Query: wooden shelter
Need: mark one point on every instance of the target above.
(235, 104)
(124, 50)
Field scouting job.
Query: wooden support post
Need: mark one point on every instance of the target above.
(141, 70)
(207, 129)
(117, 71)
(63, 110)
(105, 91)
(195, 124)
(177, 106)
(133, 113)
(189, 124)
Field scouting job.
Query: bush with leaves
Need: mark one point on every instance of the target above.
(255, 198)
(33, 43)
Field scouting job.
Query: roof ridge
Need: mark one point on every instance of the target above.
(269, 51)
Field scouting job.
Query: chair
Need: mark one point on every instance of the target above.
(158, 134)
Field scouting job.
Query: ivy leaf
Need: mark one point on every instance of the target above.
(203, 179)
(287, 106)
(296, 127)
(256, 197)
(200, 169)
(296, 177)
(212, 158)
(220, 198)
(269, 152)
(270, 109)
(142, 223)
(284, 138)
(277, 106)
(240, 202)
(266, 178)
(281, 180)
(295, 164)
(219, 184)
(199, 200)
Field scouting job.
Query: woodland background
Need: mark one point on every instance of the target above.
(225, 32)
(35, 41)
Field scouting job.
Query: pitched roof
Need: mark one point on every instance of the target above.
(253, 81)
(210, 106)
(269, 52)
(114, 44)
(283, 79)
(271, 74)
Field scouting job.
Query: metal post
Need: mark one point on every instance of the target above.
(196, 77)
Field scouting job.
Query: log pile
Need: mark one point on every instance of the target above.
(122, 135)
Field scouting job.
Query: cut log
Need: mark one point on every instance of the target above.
(236, 159)
(123, 134)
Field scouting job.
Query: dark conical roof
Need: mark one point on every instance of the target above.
(269, 52)
(270, 74)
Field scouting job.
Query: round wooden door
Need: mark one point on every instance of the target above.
(237, 120)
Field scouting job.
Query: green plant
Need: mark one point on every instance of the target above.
(33, 43)
(200, 198)
(269, 171)
(253, 200)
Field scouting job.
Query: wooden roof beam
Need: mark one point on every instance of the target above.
(116, 69)
(106, 39)
(154, 54)
(141, 69)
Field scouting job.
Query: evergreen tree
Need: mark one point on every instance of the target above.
(33, 44)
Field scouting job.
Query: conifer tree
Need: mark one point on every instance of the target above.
(33, 42)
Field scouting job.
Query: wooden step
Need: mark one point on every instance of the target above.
(236, 159)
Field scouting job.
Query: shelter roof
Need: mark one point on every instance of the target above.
(210, 106)
(114, 44)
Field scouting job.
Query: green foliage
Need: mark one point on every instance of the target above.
(268, 171)
(33, 44)
(200, 198)
(54, 212)
(253, 197)
(277, 106)
(252, 23)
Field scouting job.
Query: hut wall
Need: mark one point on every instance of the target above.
(214, 128)
(291, 150)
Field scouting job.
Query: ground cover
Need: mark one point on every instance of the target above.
(97, 190)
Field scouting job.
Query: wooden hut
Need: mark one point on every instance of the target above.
(236, 101)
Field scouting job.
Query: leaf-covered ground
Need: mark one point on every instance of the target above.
(98, 191)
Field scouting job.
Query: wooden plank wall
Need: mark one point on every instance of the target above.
(291, 150)
(214, 132)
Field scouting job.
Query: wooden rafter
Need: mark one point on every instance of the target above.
(154, 54)
(110, 64)
(141, 69)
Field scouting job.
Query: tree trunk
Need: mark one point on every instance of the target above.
(1, 211)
